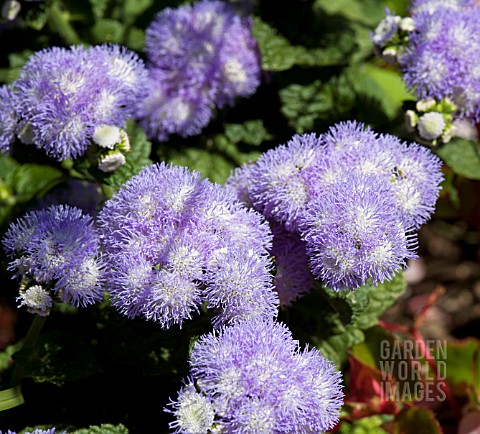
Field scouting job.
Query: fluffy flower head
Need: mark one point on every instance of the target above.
(257, 380)
(56, 246)
(175, 241)
(63, 95)
(200, 56)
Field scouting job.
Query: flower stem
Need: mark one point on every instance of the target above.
(28, 344)
(59, 21)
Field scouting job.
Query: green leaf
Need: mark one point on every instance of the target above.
(133, 8)
(365, 425)
(317, 105)
(415, 419)
(368, 12)
(107, 30)
(461, 367)
(6, 355)
(369, 351)
(216, 156)
(277, 53)
(302, 105)
(336, 321)
(135, 39)
(105, 428)
(57, 358)
(11, 398)
(463, 157)
(382, 85)
(98, 8)
(36, 17)
(251, 132)
(211, 165)
(30, 180)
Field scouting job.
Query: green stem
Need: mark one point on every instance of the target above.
(60, 23)
(28, 344)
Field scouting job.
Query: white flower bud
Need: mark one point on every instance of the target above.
(431, 125)
(407, 24)
(111, 162)
(106, 136)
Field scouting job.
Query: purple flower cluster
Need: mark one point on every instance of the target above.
(200, 56)
(55, 250)
(354, 197)
(63, 96)
(38, 431)
(254, 378)
(441, 57)
(174, 241)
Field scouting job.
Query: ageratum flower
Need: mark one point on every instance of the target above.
(174, 241)
(413, 171)
(38, 431)
(8, 119)
(55, 250)
(256, 379)
(276, 183)
(355, 234)
(199, 56)
(441, 56)
(63, 95)
(298, 187)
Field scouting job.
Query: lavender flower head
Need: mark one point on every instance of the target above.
(175, 241)
(256, 379)
(276, 184)
(355, 197)
(8, 119)
(55, 253)
(64, 95)
(38, 431)
(354, 233)
(200, 56)
(441, 56)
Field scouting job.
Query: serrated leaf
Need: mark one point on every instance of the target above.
(317, 104)
(58, 357)
(415, 419)
(463, 157)
(105, 428)
(302, 105)
(251, 132)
